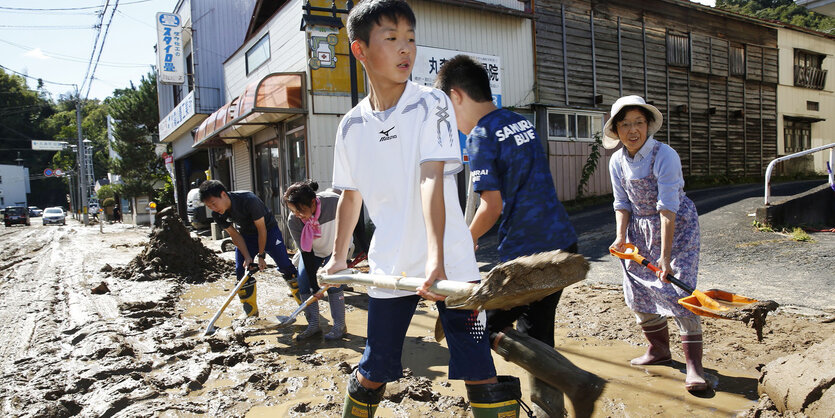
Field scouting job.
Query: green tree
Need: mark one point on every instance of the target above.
(136, 109)
(781, 10)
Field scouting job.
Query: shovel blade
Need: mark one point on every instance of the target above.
(284, 321)
(714, 303)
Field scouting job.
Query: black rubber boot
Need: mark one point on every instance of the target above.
(361, 402)
(496, 399)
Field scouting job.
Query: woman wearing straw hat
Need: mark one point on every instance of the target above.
(652, 213)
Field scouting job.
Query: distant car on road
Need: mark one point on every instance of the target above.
(16, 215)
(35, 211)
(54, 215)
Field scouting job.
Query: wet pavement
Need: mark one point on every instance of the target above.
(136, 348)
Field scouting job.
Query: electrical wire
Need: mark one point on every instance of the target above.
(71, 58)
(101, 49)
(57, 27)
(67, 8)
(95, 46)
(36, 78)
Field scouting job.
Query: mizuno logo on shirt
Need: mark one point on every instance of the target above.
(386, 134)
(443, 115)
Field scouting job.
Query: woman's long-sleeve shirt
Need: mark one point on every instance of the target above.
(667, 170)
(322, 246)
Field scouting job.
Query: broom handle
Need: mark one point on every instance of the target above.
(441, 287)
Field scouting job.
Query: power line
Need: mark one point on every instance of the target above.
(95, 45)
(57, 27)
(72, 58)
(103, 40)
(67, 8)
(36, 78)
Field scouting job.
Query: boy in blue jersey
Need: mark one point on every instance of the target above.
(510, 172)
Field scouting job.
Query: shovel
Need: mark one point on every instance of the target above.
(287, 320)
(711, 303)
(210, 329)
(513, 283)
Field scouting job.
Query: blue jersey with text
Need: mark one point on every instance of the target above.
(506, 155)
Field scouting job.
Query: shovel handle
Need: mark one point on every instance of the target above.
(631, 253)
(210, 329)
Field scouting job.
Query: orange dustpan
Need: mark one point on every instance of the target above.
(712, 303)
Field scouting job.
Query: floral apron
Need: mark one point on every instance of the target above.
(643, 291)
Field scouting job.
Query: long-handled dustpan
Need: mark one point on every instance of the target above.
(712, 303)
(513, 283)
(210, 329)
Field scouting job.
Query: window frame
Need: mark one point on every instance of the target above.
(574, 114)
(686, 41)
(255, 47)
(794, 129)
(732, 57)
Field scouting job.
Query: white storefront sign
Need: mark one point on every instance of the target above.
(429, 60)
(170, 60)
(180, 114)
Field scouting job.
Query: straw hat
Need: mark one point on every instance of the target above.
(610, 139)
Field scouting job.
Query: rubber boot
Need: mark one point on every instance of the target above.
(294, 287)
(543, 361)
(547, 398)
(337, 303)
(247, 296)
(311, 313)
(658, 351)
(692, 347)
(496, 399)
(361, 402)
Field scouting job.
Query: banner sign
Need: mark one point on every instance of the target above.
(429, 60)
(170, 60)
(180, 114)
(48, 145)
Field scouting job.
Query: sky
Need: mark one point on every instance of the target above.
(57, 45)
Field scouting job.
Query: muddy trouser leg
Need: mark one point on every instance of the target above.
(247, 293)
(308, 264)
(278, 252)
(361, 402)
(336, 299)
(495, 399)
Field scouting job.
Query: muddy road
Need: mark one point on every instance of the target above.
(136, 348)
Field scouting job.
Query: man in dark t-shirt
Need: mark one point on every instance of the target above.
(256, 233)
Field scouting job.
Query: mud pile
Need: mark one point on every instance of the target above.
(173, 253)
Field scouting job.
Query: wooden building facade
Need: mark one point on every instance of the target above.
(712, 74)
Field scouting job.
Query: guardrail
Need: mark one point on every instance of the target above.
(774, 162)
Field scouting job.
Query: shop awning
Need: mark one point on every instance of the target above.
(272, 99)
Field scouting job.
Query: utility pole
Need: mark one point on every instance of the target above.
(81, 163)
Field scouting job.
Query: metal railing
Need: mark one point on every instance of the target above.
(774, 162)
(811, 77)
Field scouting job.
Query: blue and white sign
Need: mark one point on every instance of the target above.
(170, 59)
(429, 60)
(180, 114)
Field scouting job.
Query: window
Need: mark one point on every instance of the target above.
(177, 91)
(678, 50)
(797, 135)
(813, 106)
(190, 72)
(737, 61)
(574, 125)
(807, 70)
(258, 54)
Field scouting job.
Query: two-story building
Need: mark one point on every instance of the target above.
(806, 109)
(288, 84)
(212, 30)
(712, 74)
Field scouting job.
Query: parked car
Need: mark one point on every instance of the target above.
(16, 215)
(35, 211)
(54, 215)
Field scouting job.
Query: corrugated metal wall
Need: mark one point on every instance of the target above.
(241, 166)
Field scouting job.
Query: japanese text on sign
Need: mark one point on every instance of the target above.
(170, 59)
(429, 60)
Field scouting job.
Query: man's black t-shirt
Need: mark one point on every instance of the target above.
(245, 209)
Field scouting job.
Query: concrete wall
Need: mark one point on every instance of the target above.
(813, 208)
(793, 100)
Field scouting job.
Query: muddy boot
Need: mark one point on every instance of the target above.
(692, 347)
(247, 296)
(548, 402)
(337, 302)
(311, 312)
(361, 402)
(495, 399)
(658, 351)
(294, 286)
(581, 387)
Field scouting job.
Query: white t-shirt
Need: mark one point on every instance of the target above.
(379, 154)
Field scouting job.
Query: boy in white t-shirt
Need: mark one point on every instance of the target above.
(397, 151)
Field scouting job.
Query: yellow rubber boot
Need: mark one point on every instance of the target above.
(247, 297)
(361, 402)
(495, 399)
(294, 286)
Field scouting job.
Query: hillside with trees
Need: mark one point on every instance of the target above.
(781, 10)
